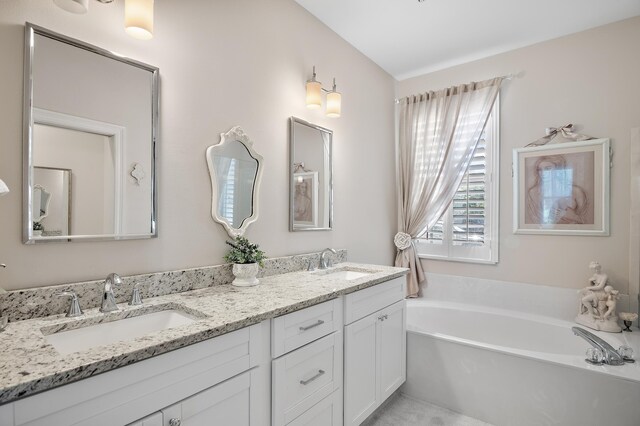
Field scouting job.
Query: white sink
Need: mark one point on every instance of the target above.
(105, 333)
(345, 273)
(348, 275)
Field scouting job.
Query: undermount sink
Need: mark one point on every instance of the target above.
(118, 330)
(345, 273)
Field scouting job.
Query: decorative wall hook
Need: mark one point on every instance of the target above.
(138, 173)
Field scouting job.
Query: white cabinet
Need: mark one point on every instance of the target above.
(306, 376)
(327, 412)
(228, 403)
(360, 384)
(152, 420)
(129, 394)
(307, 347)
(391, 349)
(375, 350)
(291, 331)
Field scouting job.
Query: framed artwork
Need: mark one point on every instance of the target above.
(562, 189)
(305, 200)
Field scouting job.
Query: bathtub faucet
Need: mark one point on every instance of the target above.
(611, 356)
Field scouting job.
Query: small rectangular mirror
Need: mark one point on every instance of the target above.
(311, 179)
(90, 129)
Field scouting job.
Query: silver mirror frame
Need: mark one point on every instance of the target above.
(235, 134)
(28, 121)
(292, 134)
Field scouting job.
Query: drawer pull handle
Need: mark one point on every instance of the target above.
(320, 322)
(306, 382)
(383, 317)
(175, 422)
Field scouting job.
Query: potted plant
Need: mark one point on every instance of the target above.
(37, 229)
(246, 258)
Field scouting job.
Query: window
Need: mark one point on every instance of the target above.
(468, 229)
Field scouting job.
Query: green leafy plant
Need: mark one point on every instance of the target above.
(37, 226)
(243, 251)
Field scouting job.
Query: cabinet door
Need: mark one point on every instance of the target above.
(391, 346)
(360, 384)
(327, 412)
(152, 420)
(225, 404)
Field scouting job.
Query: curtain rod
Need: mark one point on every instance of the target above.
(504, 77)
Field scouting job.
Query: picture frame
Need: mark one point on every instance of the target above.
(305, 200)
(562, 189)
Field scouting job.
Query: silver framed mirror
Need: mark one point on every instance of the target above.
(310, 177)
(236, 172)
(93, 114)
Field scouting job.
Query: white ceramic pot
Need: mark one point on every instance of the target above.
(245, 274)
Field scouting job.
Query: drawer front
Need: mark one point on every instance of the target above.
(296, 329)
(365, 302)
(305, 377)
(327, 412)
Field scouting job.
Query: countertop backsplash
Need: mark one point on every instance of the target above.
(42, 301)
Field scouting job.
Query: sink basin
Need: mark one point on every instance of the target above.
(90, 336)
(345, 273)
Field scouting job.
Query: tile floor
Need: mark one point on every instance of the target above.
(403, 411)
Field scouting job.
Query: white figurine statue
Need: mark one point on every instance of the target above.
(597, 308)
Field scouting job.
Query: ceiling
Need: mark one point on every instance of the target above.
(408, 38)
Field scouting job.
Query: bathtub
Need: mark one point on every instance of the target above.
(515, 369)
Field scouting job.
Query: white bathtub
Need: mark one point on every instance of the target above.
(515, 369)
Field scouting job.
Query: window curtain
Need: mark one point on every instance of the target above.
(437, 135)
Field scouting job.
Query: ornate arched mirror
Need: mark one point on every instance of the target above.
(235, 169)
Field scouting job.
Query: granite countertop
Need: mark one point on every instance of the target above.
(28, 364)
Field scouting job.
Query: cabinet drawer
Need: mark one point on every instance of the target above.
(296, 329)
(365, 302)
(327, 412)
(304, 377)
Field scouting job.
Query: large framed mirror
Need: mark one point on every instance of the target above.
(90, 119)
(310, 177)
(236, 171)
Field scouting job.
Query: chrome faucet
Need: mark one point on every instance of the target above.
(74, 304)
(108, 298)
(611, 356)
(325, 262)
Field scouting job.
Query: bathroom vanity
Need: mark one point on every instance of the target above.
(302, 348)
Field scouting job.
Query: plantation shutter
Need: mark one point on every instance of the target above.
(469, 211)
(469, 201)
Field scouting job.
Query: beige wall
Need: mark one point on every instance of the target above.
(222, 63)
(589, 79)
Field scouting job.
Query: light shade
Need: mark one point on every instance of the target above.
(334, 104)
(73, 6)
(138, 18)
(4, 189)
(314, 94)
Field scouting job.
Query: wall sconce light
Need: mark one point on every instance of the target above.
(138, 18)
(314, 96)
(74, 6)
(138, 14)
(4, 189)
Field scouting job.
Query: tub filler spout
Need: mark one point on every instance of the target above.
(611, 356)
